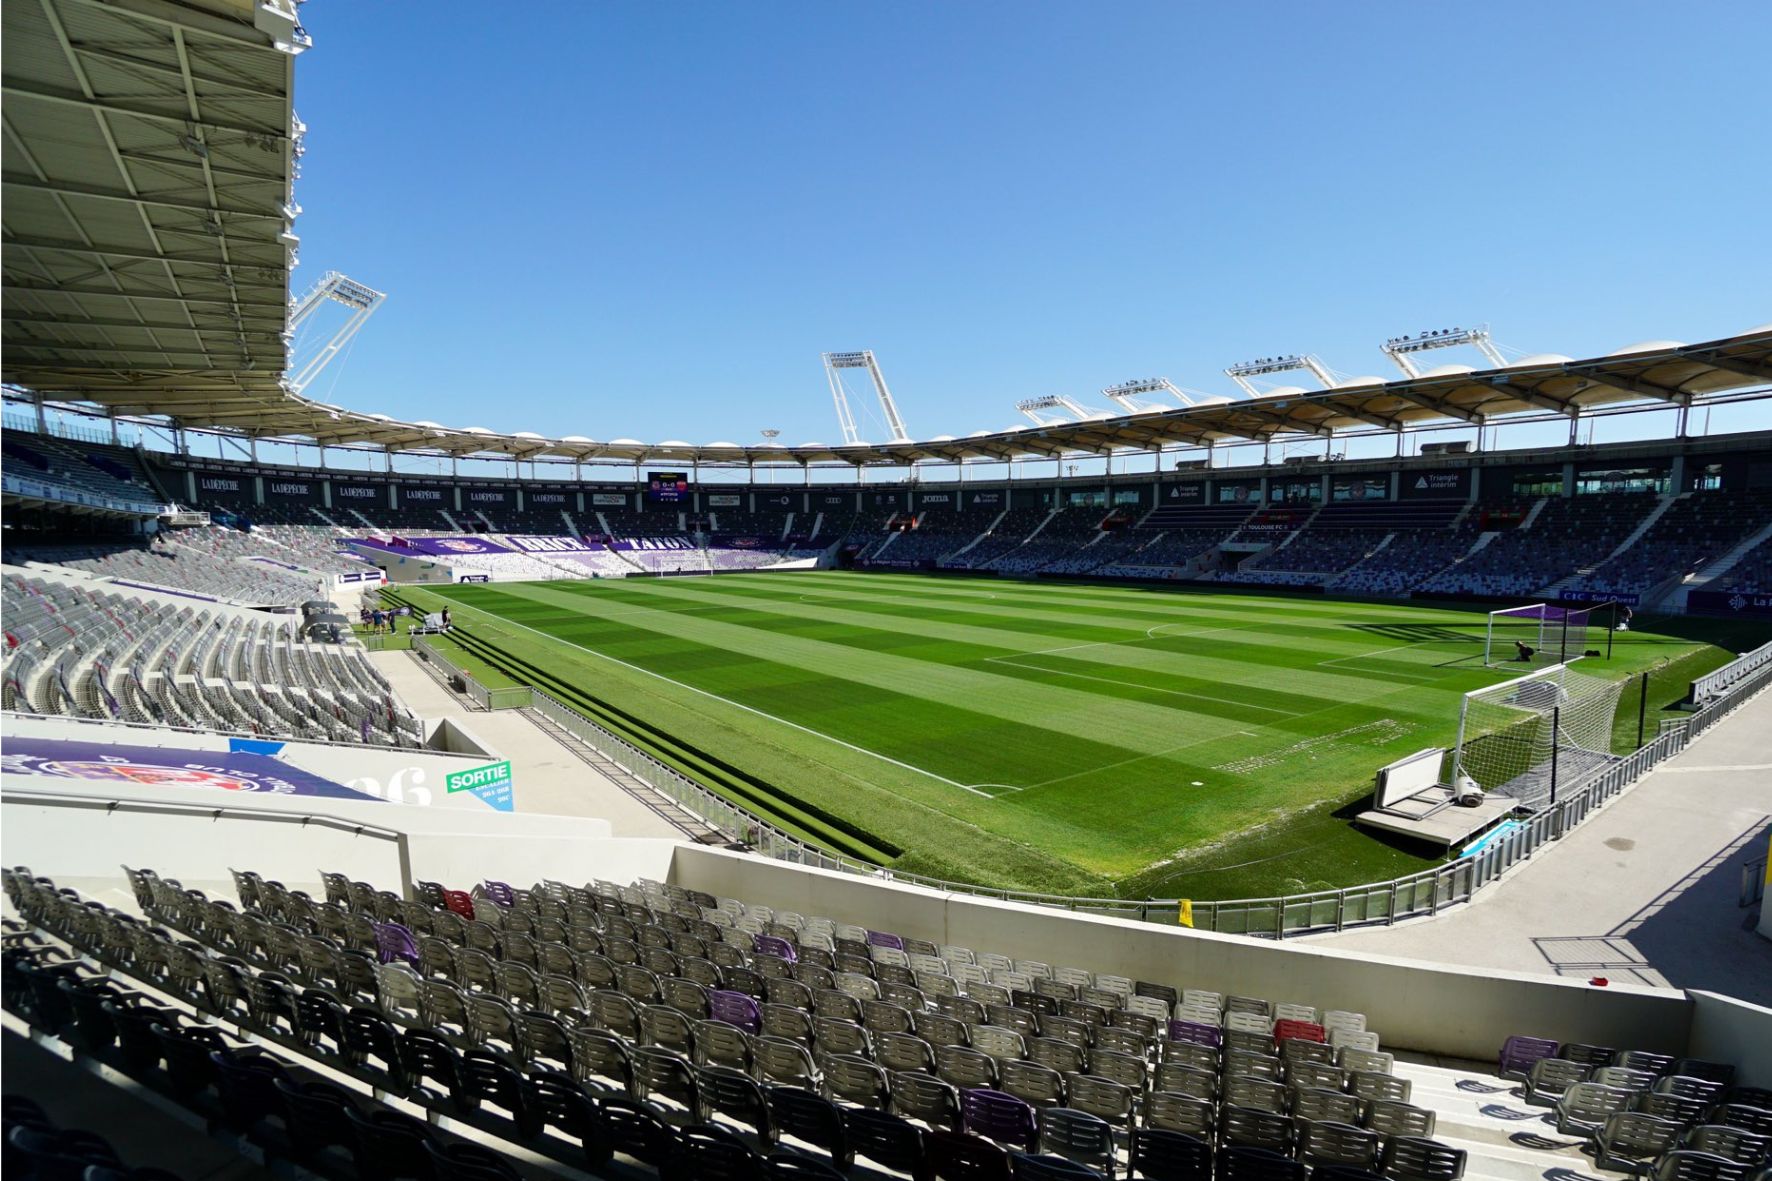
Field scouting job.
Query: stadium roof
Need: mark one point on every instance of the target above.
(1661, 372)
(149, 154)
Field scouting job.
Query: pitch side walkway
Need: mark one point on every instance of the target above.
(1646, 892)
(549, 777)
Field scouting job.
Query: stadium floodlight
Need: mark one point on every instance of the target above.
(1401, 348)
(1285, 364)
(337, 288)
(1126, 394)
(1044, 411)
(834, 364)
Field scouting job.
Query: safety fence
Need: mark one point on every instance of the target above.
(1419, 894)
(1730, 675)
(483, 696)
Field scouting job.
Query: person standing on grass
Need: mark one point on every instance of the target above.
(445, 619)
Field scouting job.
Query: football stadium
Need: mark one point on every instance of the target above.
(1308, 777)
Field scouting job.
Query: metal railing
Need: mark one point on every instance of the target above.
(483, 696)
(1712, 684)
(110, 805)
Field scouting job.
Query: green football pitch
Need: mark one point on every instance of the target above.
(1079, 739)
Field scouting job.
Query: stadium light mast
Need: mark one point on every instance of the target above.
(1045, 411)
(834, 363)
(1286, 364)
(1401, 349)
(770, 435)
(339, 288)
(1125, 395)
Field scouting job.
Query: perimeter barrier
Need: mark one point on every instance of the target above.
(1425, 893)
(1725, 679)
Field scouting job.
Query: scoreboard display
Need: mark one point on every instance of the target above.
(667, 487)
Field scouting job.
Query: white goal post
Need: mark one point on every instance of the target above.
(1524, 737)
(1536, 635)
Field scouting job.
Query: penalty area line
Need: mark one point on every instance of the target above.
(1014, 662)
(748, 709)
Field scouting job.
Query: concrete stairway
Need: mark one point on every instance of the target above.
(1635, 535)
(1507, 1138)
(1697, 580)
(989, 529)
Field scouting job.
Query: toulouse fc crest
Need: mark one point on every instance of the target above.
(155, 776)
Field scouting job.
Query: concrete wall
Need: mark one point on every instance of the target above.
(402, 776)
(69, 830)
(1727, 1030)
(68, 842)
(1416, 1006)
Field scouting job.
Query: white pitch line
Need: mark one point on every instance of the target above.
(1149, 634)
(1378, 652)
(1138, 758)
(1010, 660)
(735, 704)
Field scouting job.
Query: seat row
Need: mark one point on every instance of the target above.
(612, 1075)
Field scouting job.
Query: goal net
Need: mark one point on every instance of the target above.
(1521, 736)
(1536, 636)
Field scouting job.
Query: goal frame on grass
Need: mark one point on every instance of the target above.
(1556, 635)
(1528, 736)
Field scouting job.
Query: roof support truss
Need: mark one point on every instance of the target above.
(1631, 385)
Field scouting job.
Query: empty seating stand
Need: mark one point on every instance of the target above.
(698, 1034)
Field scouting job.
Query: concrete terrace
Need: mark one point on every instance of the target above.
(1646, 892)
(549, 776)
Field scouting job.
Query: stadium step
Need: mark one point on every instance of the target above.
(1507, 1138)
(1049, 518)
(1623, 547)
(1697, 581)
(989, 529)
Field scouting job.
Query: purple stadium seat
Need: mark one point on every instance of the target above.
(500, 892)
(1195, 1034)
(885, 939)
(735, 1008)
(395, 942)
(774, 945)
(999, 1116)
(1518, 1054)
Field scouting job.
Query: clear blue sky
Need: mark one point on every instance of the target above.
(648, 219)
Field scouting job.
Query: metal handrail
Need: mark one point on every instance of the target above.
(70, 799)
(1723, 679)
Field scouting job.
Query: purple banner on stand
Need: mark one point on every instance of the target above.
(533, 544)
(154, 766)
(432, 546)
